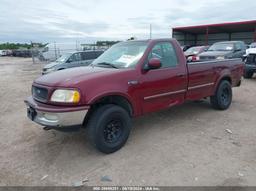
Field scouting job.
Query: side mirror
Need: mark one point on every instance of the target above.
(153, 63)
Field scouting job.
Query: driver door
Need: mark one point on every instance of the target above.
(166, 86)
(74, 60)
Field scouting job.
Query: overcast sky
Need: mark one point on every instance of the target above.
(91, 20)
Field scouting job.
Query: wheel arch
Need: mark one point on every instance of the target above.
(113, 98)
(226, 77)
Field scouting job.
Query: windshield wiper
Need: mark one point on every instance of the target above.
(106, 64)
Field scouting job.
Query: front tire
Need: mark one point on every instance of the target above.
(108, 128)
(223, 96)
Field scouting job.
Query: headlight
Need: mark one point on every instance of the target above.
(220, 58)
(65, 96)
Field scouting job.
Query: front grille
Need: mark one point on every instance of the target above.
(39, 93)
(251, 59)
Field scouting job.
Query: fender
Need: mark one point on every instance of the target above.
(93, 99)
(226, 73)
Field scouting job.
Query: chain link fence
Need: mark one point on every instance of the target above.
(52, 51)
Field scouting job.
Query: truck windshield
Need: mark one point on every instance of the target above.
(63, 58)
(221, 47)
(122, 55)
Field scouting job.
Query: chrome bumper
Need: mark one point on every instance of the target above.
(66, 119)
(54, 116)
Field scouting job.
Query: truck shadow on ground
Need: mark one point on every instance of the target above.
(70, 154)
(54, 142)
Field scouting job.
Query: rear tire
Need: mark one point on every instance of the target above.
(223, 96)
(248, 74)
(108, 128)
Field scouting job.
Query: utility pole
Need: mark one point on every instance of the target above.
(55, 50)
(32, 52)
(150, 31)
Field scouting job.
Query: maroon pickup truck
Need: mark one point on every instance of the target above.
(129, 80)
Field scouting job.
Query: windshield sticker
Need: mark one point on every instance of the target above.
(229, 48)
(128, 59)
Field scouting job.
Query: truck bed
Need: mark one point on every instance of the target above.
(203, 76)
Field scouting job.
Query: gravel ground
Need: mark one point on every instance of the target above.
(186, 145)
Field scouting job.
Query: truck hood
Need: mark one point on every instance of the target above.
(216, 53)
(73, 76)
(189, 54)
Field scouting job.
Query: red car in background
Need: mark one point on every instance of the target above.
(193, 52)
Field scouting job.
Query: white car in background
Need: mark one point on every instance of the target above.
(251, 49)
(3, 52)
(250, 61)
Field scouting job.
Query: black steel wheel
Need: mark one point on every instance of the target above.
(113, 130)
(108, 128)
(223, 96)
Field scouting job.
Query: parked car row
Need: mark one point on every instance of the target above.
(22, 53)
(217, 51)
(16, 53)
(225, 50)
(5, 52)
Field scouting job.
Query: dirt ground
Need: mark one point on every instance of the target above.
(183, 146)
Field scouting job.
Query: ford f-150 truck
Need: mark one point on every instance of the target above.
(129, 80)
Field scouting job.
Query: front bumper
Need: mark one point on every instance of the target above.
(55, 116)
(250, 67)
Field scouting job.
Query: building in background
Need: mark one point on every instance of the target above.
(211, 33)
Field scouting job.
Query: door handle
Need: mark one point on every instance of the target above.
(180, 75)
(133, 82)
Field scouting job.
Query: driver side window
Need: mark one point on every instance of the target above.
(75, 57)
(165, 52)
